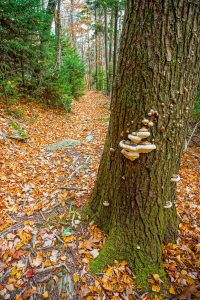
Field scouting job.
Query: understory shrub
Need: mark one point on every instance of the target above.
(28, 57)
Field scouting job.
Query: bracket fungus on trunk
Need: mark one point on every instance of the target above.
(175, 178)
(130, 155)
(137, 144)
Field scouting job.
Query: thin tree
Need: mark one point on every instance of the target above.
(106, 51)
(157, 79)
(96, 50)
(58, 35)
(116, 16)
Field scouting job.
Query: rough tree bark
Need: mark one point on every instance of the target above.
(158, 69)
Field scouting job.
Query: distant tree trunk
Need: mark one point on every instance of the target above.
(111, 47)
(58, 36)
(96, 52)
(89, 61)
(51, 7)
(22, 69)
(158, 69)
(106, 52)
(50, 12)
(115, 41)
(72, 23)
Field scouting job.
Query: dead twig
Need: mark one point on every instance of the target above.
(75, 171)
(72, 188)
(59, 239)
(43, 279)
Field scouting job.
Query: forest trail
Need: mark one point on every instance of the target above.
(31, 196)
(29, 173)
(41, 197)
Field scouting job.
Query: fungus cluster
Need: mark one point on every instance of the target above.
(137, 142)
(175, 178)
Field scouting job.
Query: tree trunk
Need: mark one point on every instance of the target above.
(96, 51)
(106, 52)
(115, 42)
(58, 36)
(111, 48)
(158, 69)
(72, 23)
(51, 7)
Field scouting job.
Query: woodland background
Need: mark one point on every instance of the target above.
(58, 61)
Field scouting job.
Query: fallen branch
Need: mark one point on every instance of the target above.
(6, 275)
(13, 227)
(189, 140)
(18, 138)
(74, 172)
(59, 239)
(72, 188)
(43, 279)
(37, 271)
(58, 204)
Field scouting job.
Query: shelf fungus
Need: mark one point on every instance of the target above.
(137, 144)
(175, 178)
(106, 203)
(143, 133)
(134, 138)
(168, 204)
(146, 148)
(130, 155)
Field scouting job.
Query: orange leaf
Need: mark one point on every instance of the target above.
(155, 288)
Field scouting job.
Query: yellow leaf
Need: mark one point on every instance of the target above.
(14, 272)
(83, 279)
(155, 288)
(190, 281)
(45, 295)
(19, 275)
(75, 277)
(18, 297)
(156, 277)
(47, 263)
(63, 257)
(68, 239)
(171, 290)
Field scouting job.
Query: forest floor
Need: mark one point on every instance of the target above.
(45, 247)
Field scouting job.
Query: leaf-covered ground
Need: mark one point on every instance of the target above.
(45, 247)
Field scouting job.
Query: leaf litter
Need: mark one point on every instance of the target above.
(45, 247)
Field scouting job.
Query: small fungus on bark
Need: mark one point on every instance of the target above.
(175, 178)
(168, 204)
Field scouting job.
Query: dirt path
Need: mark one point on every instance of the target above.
(31, 196)
(28, 168)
